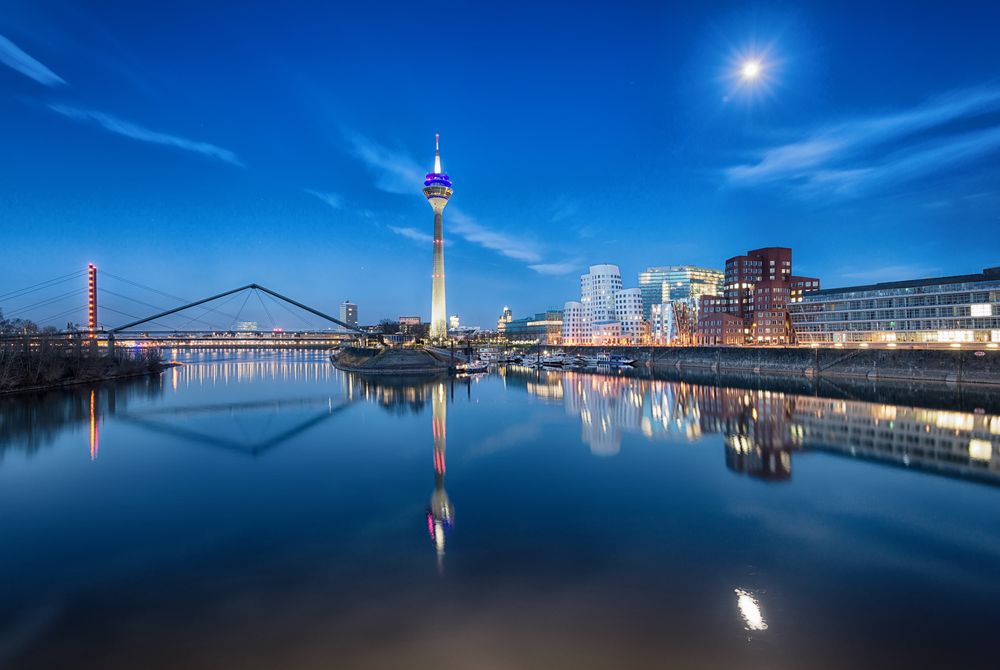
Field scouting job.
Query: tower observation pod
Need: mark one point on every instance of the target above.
(437, 190)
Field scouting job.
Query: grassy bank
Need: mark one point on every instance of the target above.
(23, 369)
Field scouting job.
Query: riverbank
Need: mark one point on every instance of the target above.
(392, 361)
(30, 371)
(966, 366)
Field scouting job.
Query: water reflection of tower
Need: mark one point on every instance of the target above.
(440, 513)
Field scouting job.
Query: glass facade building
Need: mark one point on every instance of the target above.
(544, 328)
(669, 283)
(946, 310)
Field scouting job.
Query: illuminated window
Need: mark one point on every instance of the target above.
(981, 310)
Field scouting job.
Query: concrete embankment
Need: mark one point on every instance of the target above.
(391, 361)
(966, 366)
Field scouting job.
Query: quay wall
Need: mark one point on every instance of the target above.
(968, 366)
(391, 361)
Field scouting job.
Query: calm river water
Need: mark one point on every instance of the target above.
(264, 510)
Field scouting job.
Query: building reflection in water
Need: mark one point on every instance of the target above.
(440, 512)
(763, 429)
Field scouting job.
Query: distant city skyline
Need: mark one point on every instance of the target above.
(206, 148)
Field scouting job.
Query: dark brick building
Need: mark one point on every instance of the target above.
(754, 307)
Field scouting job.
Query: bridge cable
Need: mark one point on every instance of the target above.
(163, 293)
(133, 316)
(290, 310)
(45, 302)
(105, 273)
(63, 314)
(146, 304)
(239, 313)
(41, 285)
(266, 310)
(206, 310)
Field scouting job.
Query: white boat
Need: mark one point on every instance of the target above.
(472, 367)
(557, 360)
(608, 360)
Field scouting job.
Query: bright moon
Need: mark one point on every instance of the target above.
(751, 70)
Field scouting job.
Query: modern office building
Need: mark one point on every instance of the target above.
(759, 287)
(940, 310)
(687, 282)
(437, 190)
(651, 281)
(544, 328)
(349, 313)
(453, 322)
(669, 283)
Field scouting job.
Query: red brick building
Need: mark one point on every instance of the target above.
(758, 289)
(720, 329)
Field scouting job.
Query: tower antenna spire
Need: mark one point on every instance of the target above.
(437, 153)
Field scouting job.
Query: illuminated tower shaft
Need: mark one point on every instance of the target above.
(92, 298)
(437, 190)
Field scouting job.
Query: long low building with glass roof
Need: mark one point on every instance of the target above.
(940, 310)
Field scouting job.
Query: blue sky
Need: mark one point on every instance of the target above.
(195, 148)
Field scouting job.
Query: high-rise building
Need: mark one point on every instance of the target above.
(758, 290)
(667, 283)
(437, 190)
(689, 283)
(453, 322)
(606, 313)
(651, 281)
(597, 293)
(505, 317)
(349, 313)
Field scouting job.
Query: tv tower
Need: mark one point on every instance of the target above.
(437, 190)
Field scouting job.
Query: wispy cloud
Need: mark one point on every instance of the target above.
(851, 156)
(412, 234)
(334, 200)
(136, 132)
(395, 171)
(15, 58)
(563, 208)
(555, 268)
(517, 248)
